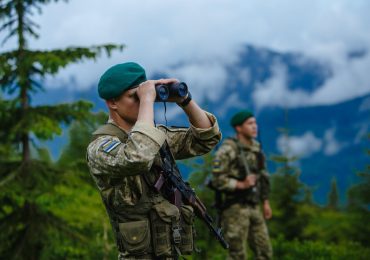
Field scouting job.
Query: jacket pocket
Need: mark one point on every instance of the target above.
(187, 230)
(165, 227)
(136, 236)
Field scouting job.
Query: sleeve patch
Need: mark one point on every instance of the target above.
(109, 145)
(216, 165)
(105, 142)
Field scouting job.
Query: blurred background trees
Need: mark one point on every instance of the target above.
(42, 202)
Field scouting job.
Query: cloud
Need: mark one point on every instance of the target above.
(307, 144)
(76, 76)
(275, 92)
(204, 34)
(350, 79)
(203, 79)
(362, 134)
(301, 146)
(331, 145)
(230, 101)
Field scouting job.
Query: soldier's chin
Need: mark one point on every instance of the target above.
(131, 120)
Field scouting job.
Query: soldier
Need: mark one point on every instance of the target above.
(124, 162)
(240, 176)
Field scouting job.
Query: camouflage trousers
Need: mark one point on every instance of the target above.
(244, 224)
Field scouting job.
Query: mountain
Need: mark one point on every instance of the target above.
(340, 132)
(330, 140)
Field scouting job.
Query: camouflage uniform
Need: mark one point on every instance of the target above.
(241, 217)
(124, 169)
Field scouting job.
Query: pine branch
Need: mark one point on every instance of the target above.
(45, 121)
(42, 63)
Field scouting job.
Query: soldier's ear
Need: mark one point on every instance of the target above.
(111, 103)
(237, 129)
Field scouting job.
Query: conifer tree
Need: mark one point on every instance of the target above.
(333, 197)
(359, 205)
(359, 194)
(21, 69)
(287, 193)
(26, 221)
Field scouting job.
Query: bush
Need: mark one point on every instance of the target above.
(318, 250)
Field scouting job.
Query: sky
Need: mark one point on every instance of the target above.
(207, 35)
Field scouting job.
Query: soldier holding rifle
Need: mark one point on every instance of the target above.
(241, 183)
(150, 208)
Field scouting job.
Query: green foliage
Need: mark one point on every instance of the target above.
(287, 193)
(292, 250)
(7, 120)
(326, 225)
(21, 72)
(42, 121)
(42, 63)
(299, 229)
(322, 233)
(207, 244)
(47, 210)
(23, 221)
(359, 206)
(333, 197)
(73, 156)
(359, 194)
(15, 23)
(55, 211)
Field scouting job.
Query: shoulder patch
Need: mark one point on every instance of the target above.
(109, 145)
(216, 165)
(105, 142)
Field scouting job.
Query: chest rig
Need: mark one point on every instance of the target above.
(151, 227)
(247, 161)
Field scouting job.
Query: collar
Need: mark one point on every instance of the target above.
(254, 146)
(111, 121)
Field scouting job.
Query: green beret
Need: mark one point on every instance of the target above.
(119, 78)
(240, 117)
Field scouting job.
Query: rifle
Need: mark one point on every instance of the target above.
(183, 192)
(245, 164)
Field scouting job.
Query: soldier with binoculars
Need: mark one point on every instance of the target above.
(124, 158)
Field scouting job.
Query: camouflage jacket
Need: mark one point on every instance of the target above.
(228, 168)
(109, 158)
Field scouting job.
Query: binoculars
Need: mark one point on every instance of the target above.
(167, 91)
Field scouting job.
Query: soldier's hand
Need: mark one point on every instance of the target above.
(267, 211)
(248, 182)
(251, 178)
(146, 91)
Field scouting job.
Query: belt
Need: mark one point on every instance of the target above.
(121, 256)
